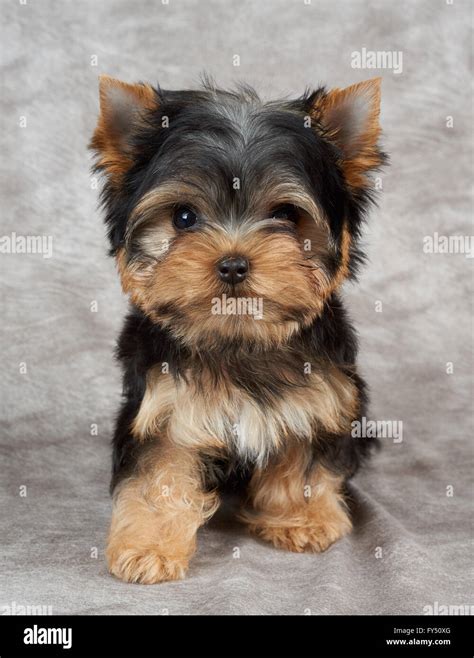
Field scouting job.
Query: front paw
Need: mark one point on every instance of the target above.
(144, 565)
(315, 535)
(299, 539)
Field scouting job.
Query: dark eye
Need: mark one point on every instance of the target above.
(286, 212)
(184, 217)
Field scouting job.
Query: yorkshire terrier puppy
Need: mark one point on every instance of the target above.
(234, 222)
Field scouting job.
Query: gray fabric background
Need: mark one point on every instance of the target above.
(48, 537)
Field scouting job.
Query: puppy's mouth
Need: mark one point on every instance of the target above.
(231, 308)
(238, 305)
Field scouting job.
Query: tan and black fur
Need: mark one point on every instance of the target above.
(193, 179)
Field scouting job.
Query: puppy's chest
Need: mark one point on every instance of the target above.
(227, 418)
(231, 421)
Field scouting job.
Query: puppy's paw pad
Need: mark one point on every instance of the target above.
(146, 566)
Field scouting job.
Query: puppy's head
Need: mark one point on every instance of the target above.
(216, 196)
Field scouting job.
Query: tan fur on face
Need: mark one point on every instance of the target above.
(343, 269)
(295, 506)
(271, 195)
(156, 515)
(218, 416)
(176, 271)
(186, 279)
(312, 234)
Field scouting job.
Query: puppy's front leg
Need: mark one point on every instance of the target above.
(296, 505)
(156, 514)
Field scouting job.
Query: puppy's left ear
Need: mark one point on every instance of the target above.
(123, 107)
(350, 118)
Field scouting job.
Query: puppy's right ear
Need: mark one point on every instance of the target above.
(123, 107)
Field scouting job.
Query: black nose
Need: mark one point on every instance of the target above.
(233, 269)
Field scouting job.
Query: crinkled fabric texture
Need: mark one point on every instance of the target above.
(60, 316)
